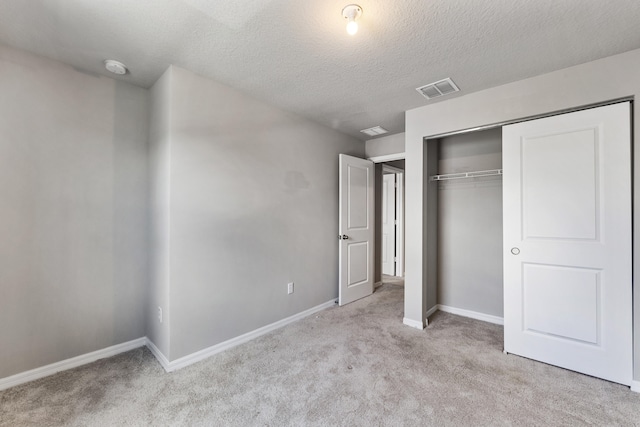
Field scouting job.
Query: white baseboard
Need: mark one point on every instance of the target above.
(431, 311)
(158, 354)
(168, 366)
(453, 310)
(73, 362)
(472, 314)
(208, 352)
(413, 323)
(377, 285)
(635, 386)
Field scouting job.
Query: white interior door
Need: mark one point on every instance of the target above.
(356, 227)
(388, 223)
(567, 241)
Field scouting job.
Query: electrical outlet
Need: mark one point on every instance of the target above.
(290, 288)
(160, 314)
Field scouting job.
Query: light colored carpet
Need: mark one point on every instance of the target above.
(392, 280)
(350, 366)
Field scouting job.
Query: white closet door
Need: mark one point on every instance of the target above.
(567, 241)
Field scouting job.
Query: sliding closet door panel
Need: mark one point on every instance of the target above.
(564, 180)
(567, 241)
(561, 302)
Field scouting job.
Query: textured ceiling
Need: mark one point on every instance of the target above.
(298, 56)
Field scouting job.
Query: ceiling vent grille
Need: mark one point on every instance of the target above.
(374, 131)
(439, 88)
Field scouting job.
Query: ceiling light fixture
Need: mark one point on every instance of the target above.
(115, 67)
(351, 13)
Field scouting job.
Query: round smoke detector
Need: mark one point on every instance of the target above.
(115, 67)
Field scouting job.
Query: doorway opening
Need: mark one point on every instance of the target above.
(389, 217)
(392, 227)
(360, 226)
(469, 225)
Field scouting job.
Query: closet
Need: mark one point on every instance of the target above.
(534, 227)
(470, 224)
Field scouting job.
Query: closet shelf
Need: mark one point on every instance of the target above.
(465, 175)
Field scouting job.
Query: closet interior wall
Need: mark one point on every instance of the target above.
(470, 223)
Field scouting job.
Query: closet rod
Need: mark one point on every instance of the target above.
(464, 175)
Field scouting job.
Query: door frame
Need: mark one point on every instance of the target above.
(389, 158)
(399, 231)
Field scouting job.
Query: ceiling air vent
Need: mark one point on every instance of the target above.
(374, 131)
(439, 88)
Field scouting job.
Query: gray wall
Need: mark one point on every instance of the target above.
(593, 82)
(73, 186)
(159, 212)
(470, 224)
(385, 145)
(253, 205)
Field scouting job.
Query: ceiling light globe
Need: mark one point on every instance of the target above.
(352, 27)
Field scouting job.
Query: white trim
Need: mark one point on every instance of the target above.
(377, 284)
(472, 314)
(162, 359)
(387, 158)
(74, 362)
(391, 169)
(413, 323)
(635, 386)
(431, 311)
(388, 201)
(529, 118)
(400, 223)
(233, 342)
(398, 263)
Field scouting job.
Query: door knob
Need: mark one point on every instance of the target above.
(345, 237)
(515, 251)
